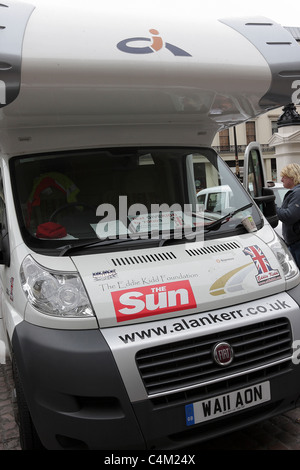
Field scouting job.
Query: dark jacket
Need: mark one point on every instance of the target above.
(289, 214)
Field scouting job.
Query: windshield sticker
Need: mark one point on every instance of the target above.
(153, 300)
(159, 221)
(265, 272)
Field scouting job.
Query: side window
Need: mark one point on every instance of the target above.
(255, 174)
(212, 202)
(201, 199)
(216, 202)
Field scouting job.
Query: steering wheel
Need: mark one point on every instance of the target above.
(67, 206)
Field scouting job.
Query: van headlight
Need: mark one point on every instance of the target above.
(284, 257)
(53, 292)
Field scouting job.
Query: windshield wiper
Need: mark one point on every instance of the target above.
(67, 249)
(217, 223)
(70, 248)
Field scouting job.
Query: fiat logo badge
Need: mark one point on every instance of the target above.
(223, 354)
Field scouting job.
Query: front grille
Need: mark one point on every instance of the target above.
(189, 363)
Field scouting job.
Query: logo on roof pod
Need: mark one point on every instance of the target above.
(156, 45)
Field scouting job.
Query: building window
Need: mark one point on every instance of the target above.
(274, 127)
(250, 132)
(224, 140)
(274, 169)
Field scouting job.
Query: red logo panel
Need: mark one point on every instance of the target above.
(153, 300)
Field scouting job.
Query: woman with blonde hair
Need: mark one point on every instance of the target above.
(289, 212)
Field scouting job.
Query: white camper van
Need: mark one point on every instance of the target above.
(133, 318)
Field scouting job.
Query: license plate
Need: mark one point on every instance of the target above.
(221, 405)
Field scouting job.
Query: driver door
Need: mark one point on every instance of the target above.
(254, 181)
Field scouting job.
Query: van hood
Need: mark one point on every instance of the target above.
(157, 283)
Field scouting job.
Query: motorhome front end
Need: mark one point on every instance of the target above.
(135, 319)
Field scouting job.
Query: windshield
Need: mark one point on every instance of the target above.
(83, 197)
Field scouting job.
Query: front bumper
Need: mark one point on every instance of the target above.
(77, 398)
(73, 389)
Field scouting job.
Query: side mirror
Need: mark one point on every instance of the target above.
(267, 205)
